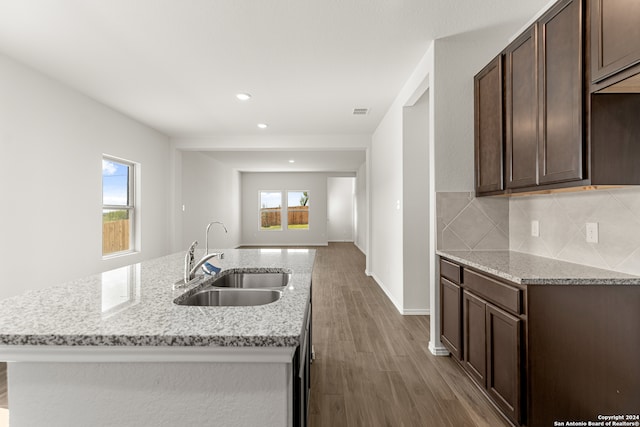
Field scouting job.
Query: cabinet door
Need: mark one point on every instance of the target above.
(504, 361)
(560, 76)
(489, 152)
(475, 343)
(614, 36)
(450, 317)
(522, 110)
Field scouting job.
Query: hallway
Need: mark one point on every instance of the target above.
(373, 366)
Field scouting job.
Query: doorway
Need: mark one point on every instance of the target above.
(340, 208)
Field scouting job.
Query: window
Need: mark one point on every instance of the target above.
(118, 208)
(270, 210)
(298, 210)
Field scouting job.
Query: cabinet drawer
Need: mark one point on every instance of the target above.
(497, 292)
(450, 270)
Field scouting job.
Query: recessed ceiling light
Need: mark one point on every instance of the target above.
(262, 125)
(243, 96)
(292, 161)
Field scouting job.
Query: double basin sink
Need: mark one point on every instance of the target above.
(239, 288)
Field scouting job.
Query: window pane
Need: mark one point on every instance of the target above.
(115, 183)
(116, 230)
(270, 210)
(298, 210)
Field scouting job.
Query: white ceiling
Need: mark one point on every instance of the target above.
(176, 65)
(278, 161)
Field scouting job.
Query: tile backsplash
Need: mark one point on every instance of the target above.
(563, 217)
(469, 223)
(500, 223)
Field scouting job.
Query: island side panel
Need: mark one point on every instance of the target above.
(136, 394)
(584, 350)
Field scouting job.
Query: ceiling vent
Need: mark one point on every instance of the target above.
(360, 111)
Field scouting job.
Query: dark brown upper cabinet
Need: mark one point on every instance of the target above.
(522, 110)
(561, 89)
(615, 42)
(489, 131)
(544, 108)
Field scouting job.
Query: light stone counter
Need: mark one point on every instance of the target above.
(133, 306)
(528, 269)
(114, 349)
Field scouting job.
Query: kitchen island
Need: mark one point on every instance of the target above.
(114, 349)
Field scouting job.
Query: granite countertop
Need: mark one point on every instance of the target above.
(528, 269)
(133, 306)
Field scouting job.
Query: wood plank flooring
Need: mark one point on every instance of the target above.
(373, 366)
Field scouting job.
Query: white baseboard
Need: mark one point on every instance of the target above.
(358, 246)
(387, 293)
(438, 350)
(341, 241)
(399, 307)
(416, 312)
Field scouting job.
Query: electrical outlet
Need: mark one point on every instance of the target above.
(535, 228)
(592, 232)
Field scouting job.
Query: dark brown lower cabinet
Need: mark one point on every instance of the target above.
(482, 329)
(450, 325)
(301, 374)
(584, 353)
(546, 353)
(475, 337)
(492, 342)
(504, 338)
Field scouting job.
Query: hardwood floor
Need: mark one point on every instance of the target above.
(373, 366)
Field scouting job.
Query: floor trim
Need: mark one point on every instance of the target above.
(387, 293)
(416, 312)
(438, 350)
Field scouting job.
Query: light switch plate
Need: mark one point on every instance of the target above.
(592, 232)
(535, 228)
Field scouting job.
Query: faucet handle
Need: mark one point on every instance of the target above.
(189, 260)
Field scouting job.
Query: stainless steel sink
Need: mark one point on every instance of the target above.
(231, 297)
(247, 280)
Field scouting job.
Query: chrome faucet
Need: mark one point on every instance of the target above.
(191, 267)
(206, 236)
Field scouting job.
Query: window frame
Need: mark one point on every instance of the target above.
(308, 210)
(282, 225)
(130, 207)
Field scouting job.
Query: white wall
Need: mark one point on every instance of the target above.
(415, 166)
(315, 183)
(264, 141)
(386, 189)
(51, 144)
(361, 206)
(340, 209)
(210, 192)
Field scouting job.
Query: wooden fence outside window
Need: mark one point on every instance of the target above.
(115, 236)
(296, 215)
